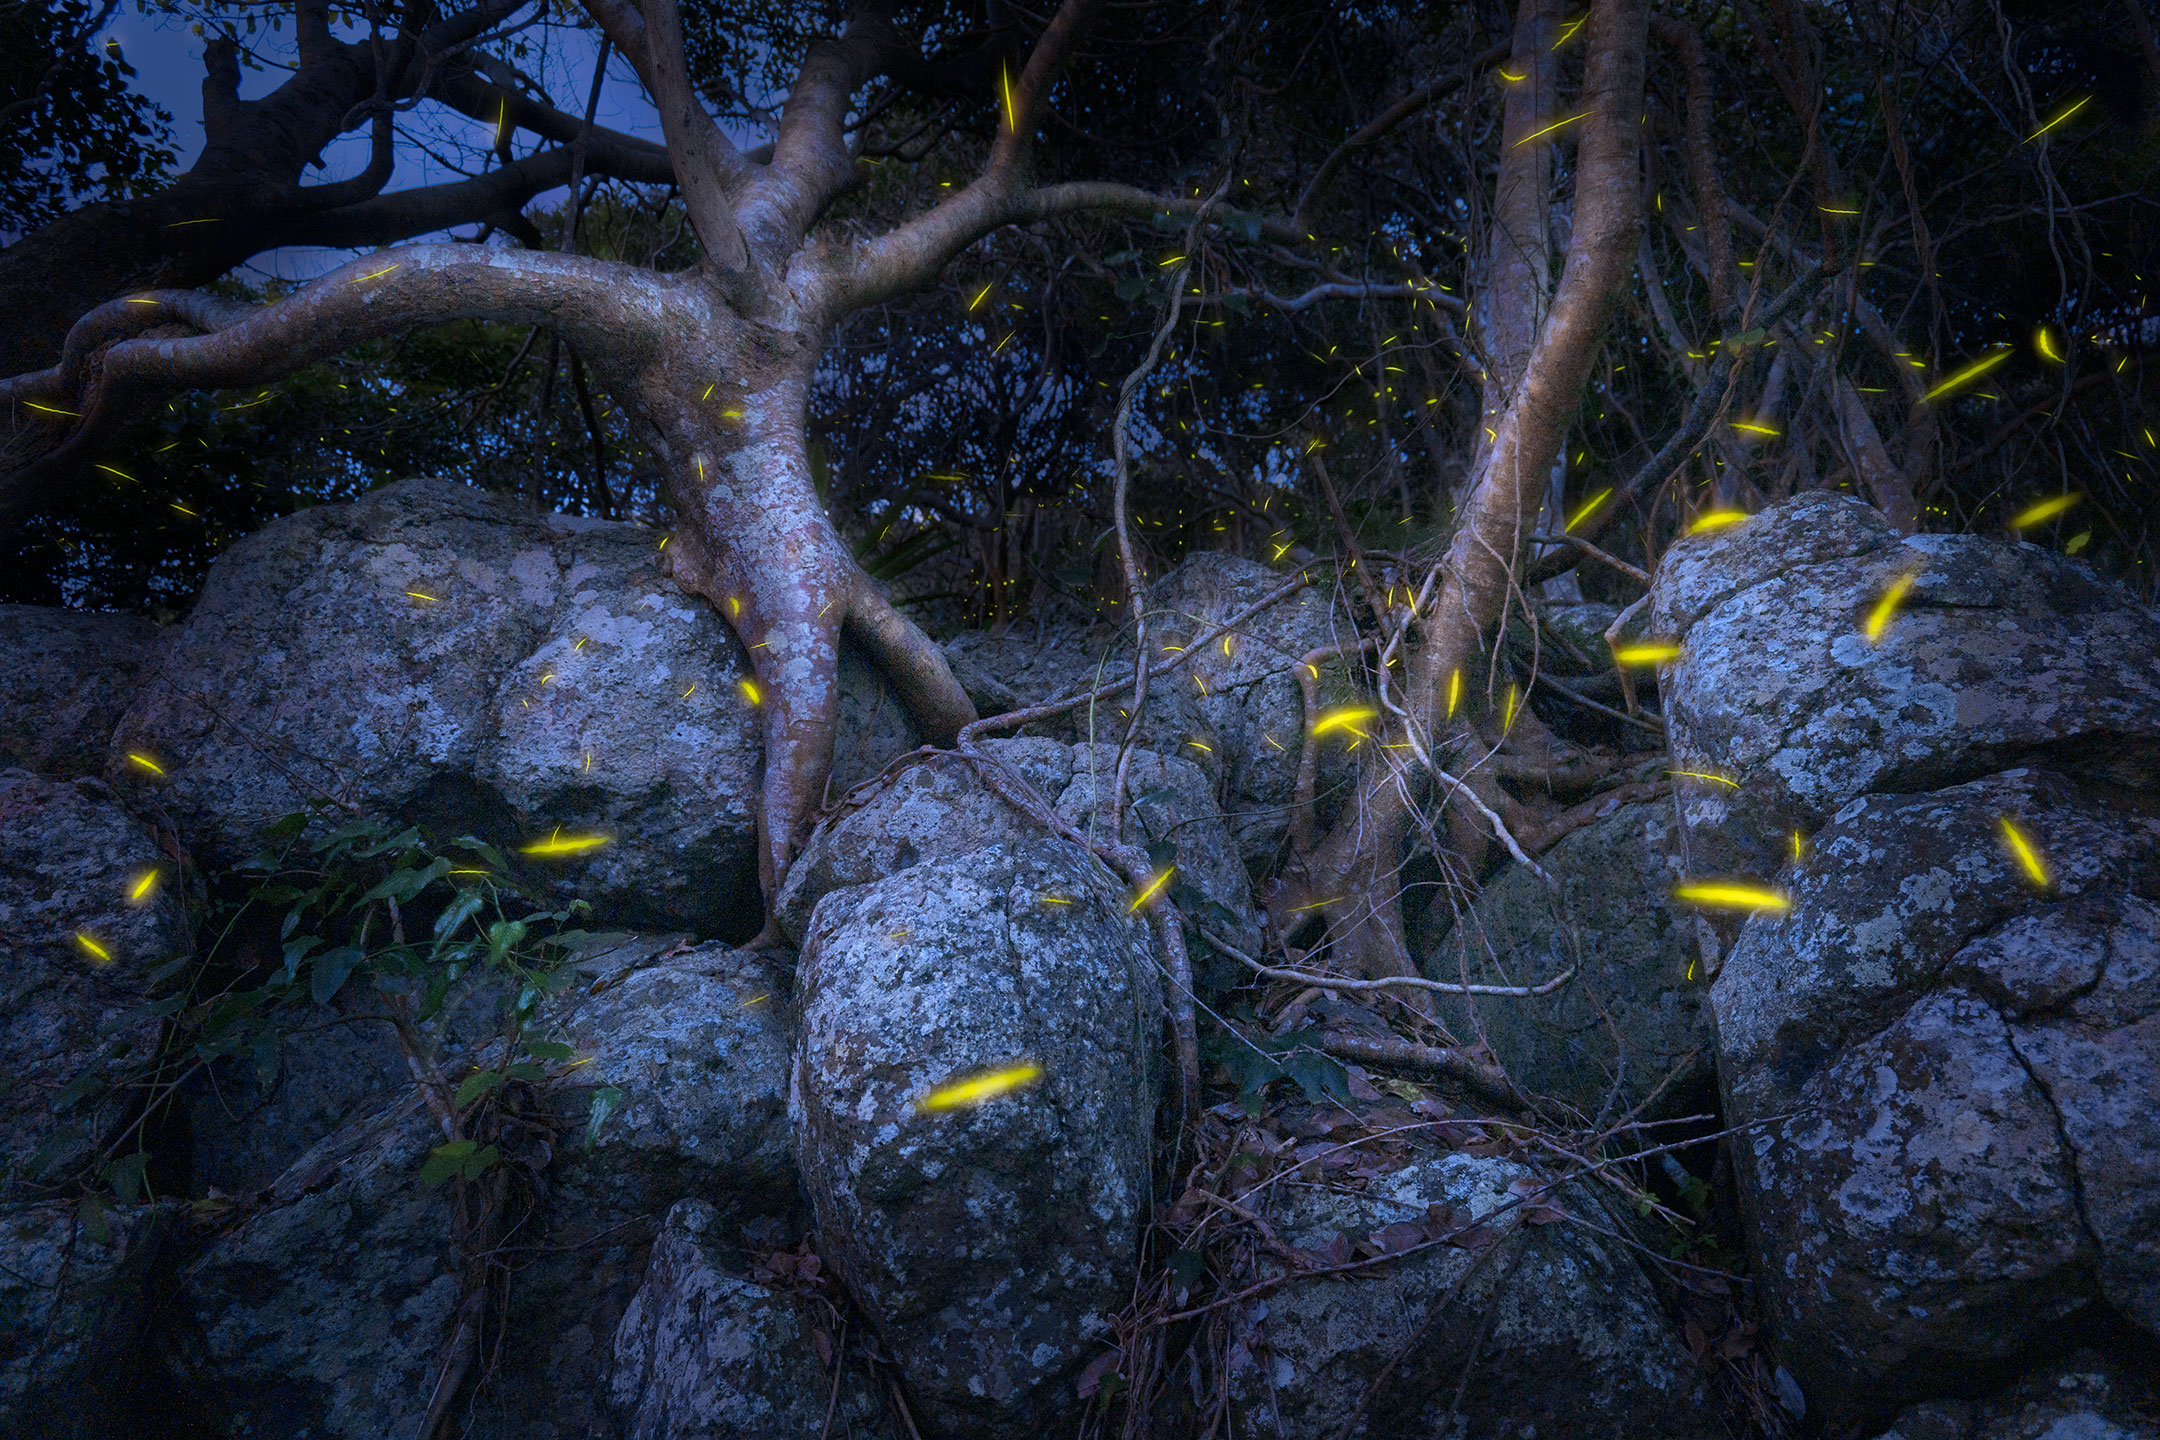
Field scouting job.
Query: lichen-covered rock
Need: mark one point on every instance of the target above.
(703, 1354)
(65, 676)
(436, 651)
(1995, 653)
(988, 1242)
(943, 808)
(1636, 1007)
(76, 1299)
(2085, 1397)
(1556, 1327)
(79, 952)
(1947, 1070)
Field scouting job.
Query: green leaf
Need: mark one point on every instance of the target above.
(475, 1085)
(551, 1050)
(455, 914)
(81, 1088)
(526, 1071)
(329, 971)
(297, 949)
(447, 1160)
(605, 1102)
(126, 1176)
(404, 883)
(489, 855)
(1187, 1268)
(503, 937)
(477, 1165)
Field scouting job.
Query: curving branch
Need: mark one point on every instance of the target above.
(1340, 290)
(1386, 122)
(1701, 152)
(387, 219)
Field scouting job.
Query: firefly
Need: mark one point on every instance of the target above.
(1454, 692)
(1585, 512)
(377, 275)
(1799, 848)
(982, 1087)
(417, 595)
(1557, 124)
(2045, 343)
(144, 886)
(1150, 890)
(1967, 375)
(2045, 510)
(1012, 120)
(1754, 429)
(750, 691)
(1879, 618)
(2065, 115)
(1716, 520)
(121, 473)
(1653, 653)
(144, 762)
(1704, 775)
(560, 844)
(96, 951)
(1507, 721)
(2028, 858)
(1727, 895)
(1347, 719)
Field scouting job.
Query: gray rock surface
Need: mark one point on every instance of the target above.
(1637, 1005)
(65, 676)
(703, 1354)
(77, 960)
(942, 808)
(2085, 1397)
(1950, 1069)
(436, 651)
(1573, 1342)
(990, 1242)
(1999, 652)
(74, 1317)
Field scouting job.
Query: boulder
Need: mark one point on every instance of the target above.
(439, 652)
(2082, 1397)
(989, 1241)
(65, 676)
(1997, 654)
(1636, 1008)
(326, 1308)
(87, 918)
(705, 1354)
(76, 1299)
(942, 808)
(1556, 1326)
(1946, 1067)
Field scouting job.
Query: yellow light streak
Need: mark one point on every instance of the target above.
(750, 691)
(1454, 692)
(1731, 895)
(376, 276)
(144, 762)
(2046, 510)
(184, 510)
(2028, 857)
(121, 473)
(1967, 375)
(2045, 343)
(1012, 119)
(1830, 210)
(981, 295)
(417, 595)
(1716, 520)
(145, 302)
(1705, 775)
(2065, 115)
(708, 392)
(982, 1087)
(1799, 847)
(1199, 745)
(1754, 429)
(1588, 507)
(1166, 264)
(560, 844)
(1150, 890)
(1514, 79)
(1535, 134)
(1507, 718)
(96, 951)
(1346, 718)
(1569, 33)
(1655, 652)
(212, 220)
(52, 409)
(1886, 608)
(1057, 900)
(144, 886)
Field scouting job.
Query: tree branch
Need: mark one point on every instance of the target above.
(1386, 122)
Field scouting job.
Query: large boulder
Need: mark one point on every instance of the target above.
(989, 1242)
(1545, 1329)
(1635, 1009)
(2083, 1397)
(706, 1354)
(325, 1308)
(1946, 1072)
(942, 808)
(1998, 653)
(439, 652)
(65, 676)
(87, 919)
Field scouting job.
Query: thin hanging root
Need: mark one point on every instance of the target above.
(1385, 982)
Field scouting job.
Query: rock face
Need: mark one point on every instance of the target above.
(325, 1311)
(1951, 1069)
(2082, 1398)
(65, 676)
(1566, 1333)
(1636, 1007)
(943, 808)
(707, 1355)
(989, 1242)
(1995, 653)
(436, 651)
(77, 955)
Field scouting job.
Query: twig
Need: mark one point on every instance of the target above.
(1594, 553)
(1409, 982)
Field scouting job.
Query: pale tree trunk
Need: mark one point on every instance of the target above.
(1351, 874)
(1518, 279)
